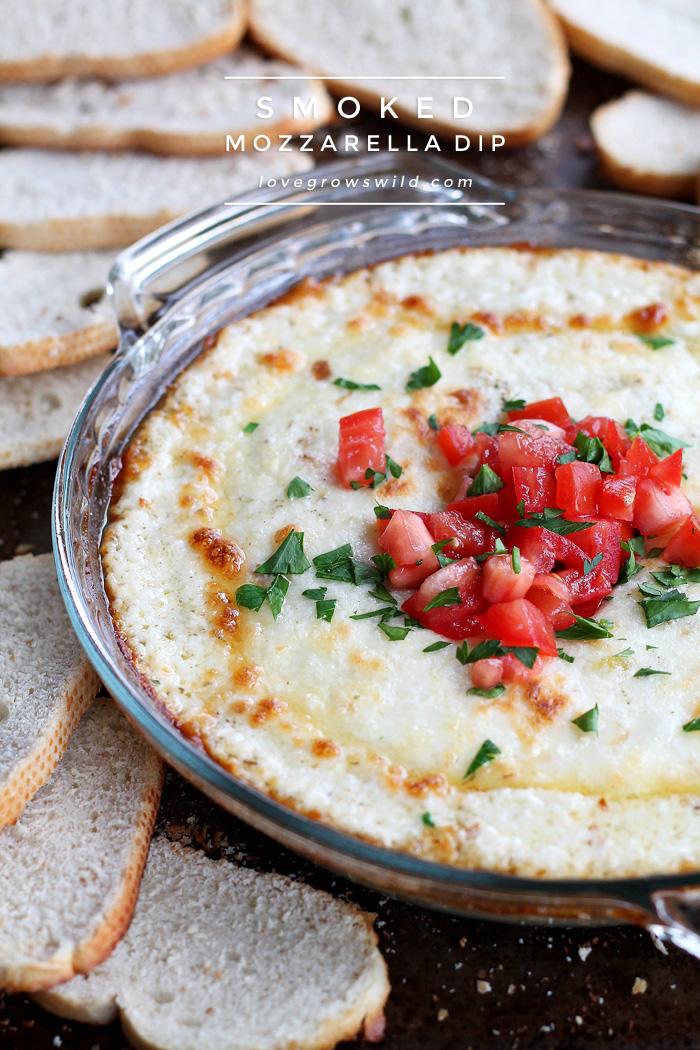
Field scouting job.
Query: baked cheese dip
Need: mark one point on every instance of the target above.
(415, 552)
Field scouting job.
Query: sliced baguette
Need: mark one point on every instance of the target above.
(53, 310)
(516, 39)
(46, 681)
(185, 113)
(36, 411)
(649, 144)
(43, 40)
(654, 42)
(71, 866)
(229, 959)
(68, 201)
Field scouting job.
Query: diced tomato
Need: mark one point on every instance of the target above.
(508, 504)
(603, 537)
(468, 537)
(551, 409)
(617, 497)
(522, 450)
(383, 522)
(487, 673)
(538, 428)
(452, 621)
(545, 549)
(470, 506)
(589, 608)
(456, 444)
(535, 487)
(361, 446)
(515, 670)
(609, 431)
(488, 451)
(551, 596)
(520, 623)
(578, 488)
(407, 540)
(501, 583)
(639, 460)
(669, 469)
(585, 588)
(684, 547)
(659, 507)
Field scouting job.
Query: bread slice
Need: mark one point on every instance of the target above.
(228, 959)
(516, 39)
(654, 42)
(68, 201)
(46, 680)
(36, 411)
(45, 39)
(71, 866)
(184, 113)
(53, 310)
(649, 144)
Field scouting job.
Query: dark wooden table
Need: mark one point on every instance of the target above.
(455, 983)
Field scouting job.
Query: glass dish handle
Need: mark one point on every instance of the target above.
(675, 918)
(153, 271)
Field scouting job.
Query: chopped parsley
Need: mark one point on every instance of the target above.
(670, 605)
(436, 647)
(625, 652)
(491, 523)
(427, 820)
(490, 694)
(444, 599)
(566, 457)
(565, 656)
(515, 560)
(394, 634)
(485, 482)
(590, 564)
(658, 441)
(491, 647)
(375, 477)
(383, 513)
(252, 596)
(588, 721)
(592, 450)
(350, 384)
(393, 468)
(432, 422)
(382, 594)
(289, 558)
(316, 594)
(276, 594)
(428, 375)
(486, 753)
(325, 609)
(635, 549)
(384, 562)
(656, 342)
(385, 613)
(298, 488)
(461, 334)
(250, 427)
(659, 412)
(341, 565)
(645, 672)
(516, 405)
(585, 629)
(692, 726)
(552, 520)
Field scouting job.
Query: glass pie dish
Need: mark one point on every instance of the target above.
(179, 286)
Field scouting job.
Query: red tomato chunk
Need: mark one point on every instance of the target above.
(361, 446)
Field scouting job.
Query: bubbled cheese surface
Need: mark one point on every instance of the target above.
(336, 720)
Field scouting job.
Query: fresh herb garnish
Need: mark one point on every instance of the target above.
(250, 427)
(435, 647)
(289, 558)
(444, 599)
(588, 721)
(635, 549)
(486, 753)
(394, 634)
(659, 412)
(487, 428)
(566, 457)
(461, 334)
(385, 613)
(325, 609)
(491, 523)
(428, 375)
(393, 468)
(671, 605)
(251, 596)
(350, 384)
(276, 594)
(432, 422)
(585, 629)
(592, 450)
(565, 656)
(645, 672)
(341, 565)
(515, 405)
(375, 477)
(552, 520)
(656, 342)
(382, 594)
(384, 562)
(427, 820)
(491, 647)
(692, 726)
(659, 441)
(383, 513)
(316, 594)
(625, 652)
(298, 488)
(490, 694)
(485, 482)
(589, 564)
(515, 560)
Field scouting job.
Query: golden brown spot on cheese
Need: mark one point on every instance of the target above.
(602, 803)
(434, 782)
(282, 533)
(469, 397)
(145, 503)
(242, 706)
(359, 324)
(650, 317)
(248, 677)
(222, 607)
(134, 460)
(581, 321)
(543, 701)
(380, 303)
(398, 330)
(325, 749)
(283, 361)
(210, 467)
(307, 288)
(403, 486)
(492, 321)
(418, 421)
(446, 489)
(223, 555)
(419, 304)
(320, 369)
(266, 709)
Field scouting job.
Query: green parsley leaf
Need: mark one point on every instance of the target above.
(592, 450)
(516, 405)
(677, 575)
(289, 558)
(566, 457)
(645, 672)
(692, 726)
(672, 605)
(317, 594)
(491, 523)
(552, 521)
(635, 549)
(588, 721)
(659, 441)
(486, 753)
(461, 334)
(394, 634)
(385, 613)
(432, 422)
(485, 482)
(325, 609)
(443, 599)
(350, 384)
(375, 477)
(481, 651)
(590, 564)
(520, 507)
(462, 652)
(427, 820)
(527, 654)
(382, 594)
(659, 412)
(515, 560)
(393, 468)
(507, 428)
(435, 647)
(298, 488)
(490, 694)
(250, 427)
(384, 562)
(565, 656)
(410, 622)
(625, 652)
(655, 552)
(585, 629)
(428, 375)
(487, 428)
(250, 596)
(341, 565)
(383, 513)
(276, 594)
(656, 342)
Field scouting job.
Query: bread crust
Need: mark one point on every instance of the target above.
(516, 135)
(615, 59)
(55, 67)
(65, 235)
(55, 351)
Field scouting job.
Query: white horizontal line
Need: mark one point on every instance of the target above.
(360, 204)
(302, 76)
